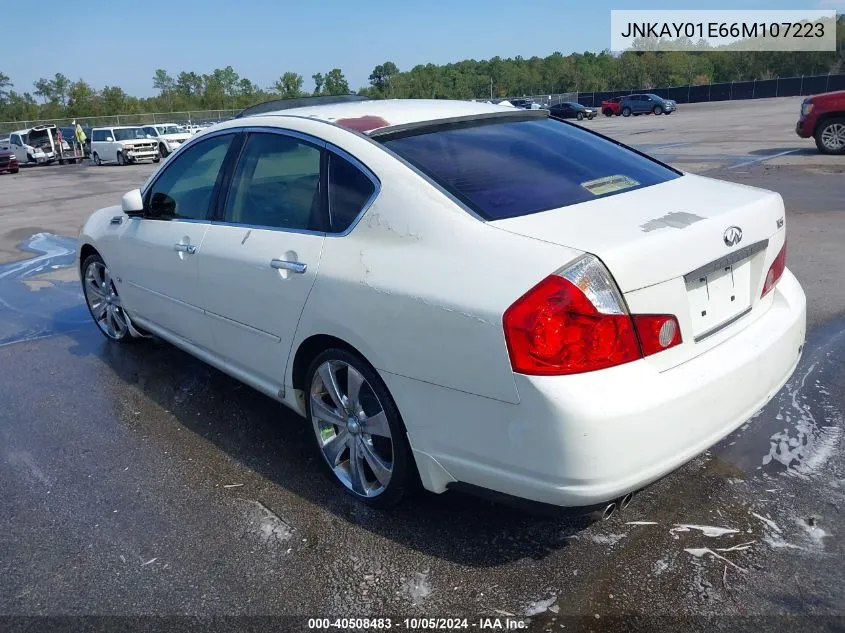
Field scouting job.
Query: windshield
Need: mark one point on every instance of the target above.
(129, 134)
(505, 170)
(169, 129)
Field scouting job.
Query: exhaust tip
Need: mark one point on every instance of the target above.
(608, 511)
(626, 500)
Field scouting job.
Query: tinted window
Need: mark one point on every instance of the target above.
(15, 139)
(99, 135)
(276, 184)
(504, 170)
(349, 191)
(183, 191)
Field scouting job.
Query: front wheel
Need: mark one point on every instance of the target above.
(657, 110)
(626, 111)
(157, 159)
(103, 302)
(121, 160)
(358, 429)
(607, 112)
(580, 116)
(95, 157)
(830, 136)
(14, 171)
(162, 149)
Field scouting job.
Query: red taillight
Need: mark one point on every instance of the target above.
(657, 332)
(556, 328)
(775, 271)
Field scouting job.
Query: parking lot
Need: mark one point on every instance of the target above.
(138, 480)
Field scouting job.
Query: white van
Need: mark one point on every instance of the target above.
(122, 145)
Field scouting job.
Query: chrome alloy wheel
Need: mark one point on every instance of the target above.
(103, 301)
(833, 136)
(352, 429)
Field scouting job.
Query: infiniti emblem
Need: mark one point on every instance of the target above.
(733, 235)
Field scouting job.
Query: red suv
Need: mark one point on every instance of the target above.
(823, 117)
(609, 107)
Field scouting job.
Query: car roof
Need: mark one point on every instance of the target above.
(366, 116)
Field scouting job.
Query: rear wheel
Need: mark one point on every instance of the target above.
(626, 111)
(359, 432)
(14, 171)
(657, 110)
(830, 136)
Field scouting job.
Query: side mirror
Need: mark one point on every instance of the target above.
(109, 139)
(132, 203)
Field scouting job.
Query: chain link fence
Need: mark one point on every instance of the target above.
(182, 118)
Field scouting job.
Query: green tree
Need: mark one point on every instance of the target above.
(319, 80)
(165, 85)
(289, 85)
(5, 84)
(381, 76)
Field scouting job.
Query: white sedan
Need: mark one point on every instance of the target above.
(459, 294)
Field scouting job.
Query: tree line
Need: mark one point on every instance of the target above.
(225, 89)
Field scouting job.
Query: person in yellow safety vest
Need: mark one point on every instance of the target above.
(79, 134)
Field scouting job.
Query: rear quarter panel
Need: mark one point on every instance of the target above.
(419, 286)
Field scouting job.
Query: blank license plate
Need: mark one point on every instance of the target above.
(719, 296)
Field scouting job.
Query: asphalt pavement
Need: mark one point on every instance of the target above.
(138, 481)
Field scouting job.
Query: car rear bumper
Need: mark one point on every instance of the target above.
(589, 438)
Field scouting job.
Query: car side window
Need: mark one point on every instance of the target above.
(349, 191)
(276, 184)
(183, 190)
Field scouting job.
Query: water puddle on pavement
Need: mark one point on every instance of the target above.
(40, 296)
(802, 427)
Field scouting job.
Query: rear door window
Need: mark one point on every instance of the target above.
(505, 170)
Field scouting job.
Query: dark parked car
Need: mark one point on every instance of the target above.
(823, 117)
(8, 161)
(647, 104)
(525, 104)
(571, 110)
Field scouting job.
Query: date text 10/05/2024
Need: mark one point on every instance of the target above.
(723, 29)
(419, 624)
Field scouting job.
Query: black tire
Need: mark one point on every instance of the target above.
(657, 110)
(626, 111)
(827, 134)
(580, 116)
(162, 149)
(157, 159)
(61, 161)
(590, 117)
(121, 160)
(607, 112)
(14, 171)
(119, 337)
(95, 158)
(404, 477)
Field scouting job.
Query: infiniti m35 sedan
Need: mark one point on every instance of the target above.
(459, 293)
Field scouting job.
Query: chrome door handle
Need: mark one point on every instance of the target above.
(190, 249)
(283, 264)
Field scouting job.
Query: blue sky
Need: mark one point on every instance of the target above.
(122, 42)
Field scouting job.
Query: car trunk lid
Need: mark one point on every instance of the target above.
(692, 246)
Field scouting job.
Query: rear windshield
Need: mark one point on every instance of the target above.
(506, 170)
